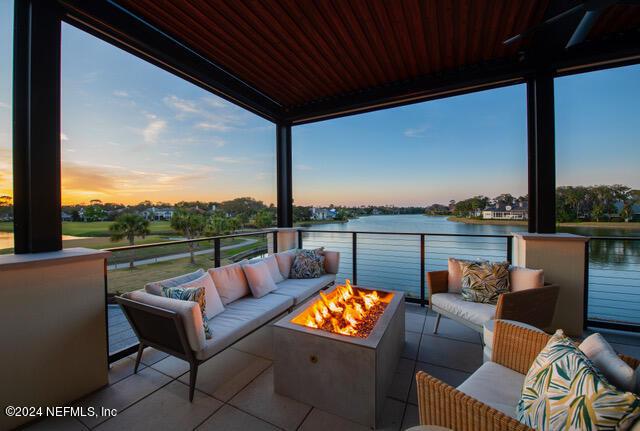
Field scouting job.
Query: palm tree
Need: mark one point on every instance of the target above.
(190, 224)
(129, 226)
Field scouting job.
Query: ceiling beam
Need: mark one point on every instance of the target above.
(107, 20)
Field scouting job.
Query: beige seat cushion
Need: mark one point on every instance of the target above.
(617, 372)
(259, 278)
(525, 278)
(301, 288)
(497, 386)
(474, 312)
(189, 312)
(241, 317)
(230, 282)
(272, 264)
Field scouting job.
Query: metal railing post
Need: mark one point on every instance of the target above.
(299, 239)
(216, 251)
(586, 285)
(354, 260)
(510, 249)
(275, 241)
(422, 271)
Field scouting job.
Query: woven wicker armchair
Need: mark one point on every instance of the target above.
(440, 404)
(535, 306)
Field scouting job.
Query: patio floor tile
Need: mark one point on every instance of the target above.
(319, 420)
(229, 418)
(411, 345)
(402, 380)
(150, 356)
(66, 423)
(446, 352)
(172, 366)
(392, 415)
(447, 375)
(410, 417)
(123, 394)
(260, 343)
(121, 369)
(259, 399)
(227, 373)
(451, 329)
(414, 322)
(173, 402)
(627, 349)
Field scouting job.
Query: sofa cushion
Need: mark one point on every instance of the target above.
(474, 312)
(484, 281)
(496, 386)
(564, 390)
(259, 278)
(285, 260)
(301, 289)
(212, 298)
(454, 275)
(307, 264)
(331, 261)
(194, 294)
(272, 264)
(188, 311)
(230, 282)
(155, 287)
(617, 371)
(525, 278)
(240, 318)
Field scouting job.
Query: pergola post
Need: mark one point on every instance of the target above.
(36, 127)
(284, 175)
(541, 146)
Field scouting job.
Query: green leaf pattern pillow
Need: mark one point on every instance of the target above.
(564, 391)
(484, 281)
(195, 294)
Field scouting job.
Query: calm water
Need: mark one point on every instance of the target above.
(393, 261)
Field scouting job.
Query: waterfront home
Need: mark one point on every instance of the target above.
(323, 213)
(158, 214)
(501, 211)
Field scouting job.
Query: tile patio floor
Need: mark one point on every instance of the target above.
(235, 389)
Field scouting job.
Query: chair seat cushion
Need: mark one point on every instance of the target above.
(301, 289)
(497, 386)
(474, 312)
(241, 317)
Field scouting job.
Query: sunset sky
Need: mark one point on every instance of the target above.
(133, 132)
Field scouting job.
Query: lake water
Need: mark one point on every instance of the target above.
(393, 261)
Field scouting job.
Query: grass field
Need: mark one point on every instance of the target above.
(126, 280)
(97, 228)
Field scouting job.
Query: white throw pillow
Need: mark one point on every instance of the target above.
(272, 264)
(525, 278)
(259, 278)
(230, 282)
(619, 374)
(213, 302)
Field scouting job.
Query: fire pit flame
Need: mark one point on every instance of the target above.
(346, 310)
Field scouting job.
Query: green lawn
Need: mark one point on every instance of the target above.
(126, 280)
(97, 228)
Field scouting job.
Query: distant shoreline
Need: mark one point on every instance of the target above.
(309, 223)
(586, 224)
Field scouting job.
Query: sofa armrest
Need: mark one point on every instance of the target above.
(516, 347)
(533, 306)
(189, 312)
(443, 405)
(331, 261)
(438, 282)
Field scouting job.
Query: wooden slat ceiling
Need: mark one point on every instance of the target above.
(298, 52)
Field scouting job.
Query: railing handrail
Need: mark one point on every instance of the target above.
(407, 233)
(188, 241)
(615, 238)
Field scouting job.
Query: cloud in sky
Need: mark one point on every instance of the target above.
(415, 132)
(120, 93)
(210, 113)
(213, 126)
(153, 129)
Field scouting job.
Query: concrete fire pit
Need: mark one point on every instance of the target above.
(345, 375)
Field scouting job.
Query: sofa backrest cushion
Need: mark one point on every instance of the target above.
(564, 390)
(272, 265)
(193, 294)
(617, 371)
(525, 278)
(188, 311)
(213, 302)
(285, 260)
(230, 282)
(331, 261)
(259, 278)
(454, 275)
(155, 287)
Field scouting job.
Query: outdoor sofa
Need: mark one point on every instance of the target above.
(488, 399)
(530, 300)
(175, 326)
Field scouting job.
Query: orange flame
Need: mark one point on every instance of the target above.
(342, 311)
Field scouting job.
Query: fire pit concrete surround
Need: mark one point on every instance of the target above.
(341, 374)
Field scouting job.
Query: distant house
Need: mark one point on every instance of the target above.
(502, 211)
(157, 214)
(323, 213)
(635, 211)
(66, 216)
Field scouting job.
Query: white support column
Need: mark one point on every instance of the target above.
(562, 257)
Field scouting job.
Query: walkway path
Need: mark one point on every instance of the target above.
(166, 258)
